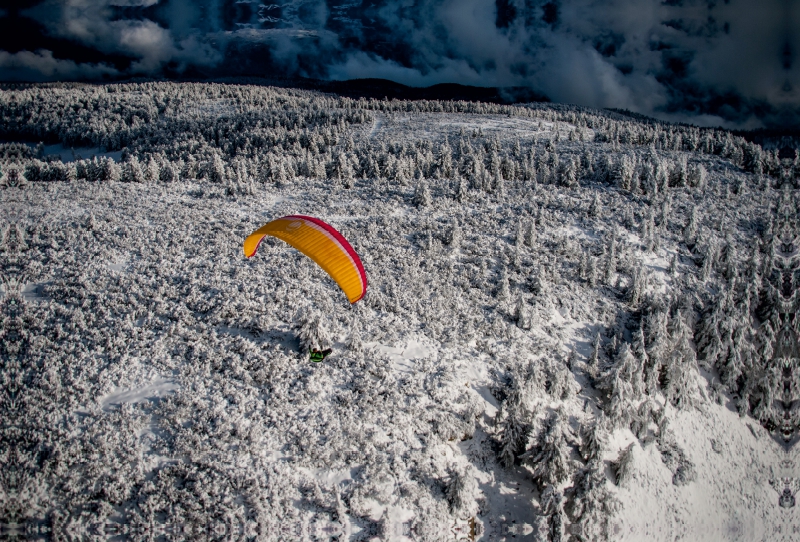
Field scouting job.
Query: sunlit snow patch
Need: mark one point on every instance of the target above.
(118, 266)
(402, 358)
(330, 477)
(732, 461)
(154, 390)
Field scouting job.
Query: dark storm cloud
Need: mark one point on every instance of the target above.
(728, 62)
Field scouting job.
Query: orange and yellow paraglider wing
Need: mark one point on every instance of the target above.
(320, 242)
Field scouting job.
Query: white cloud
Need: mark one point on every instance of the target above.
(153, 46)
(42, 66)
(600, 53)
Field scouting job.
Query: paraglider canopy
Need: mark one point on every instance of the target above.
(320, 242)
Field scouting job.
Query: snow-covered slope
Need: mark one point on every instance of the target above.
(577, 326)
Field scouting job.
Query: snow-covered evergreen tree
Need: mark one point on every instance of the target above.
(597, 356)
(623, 383)
(311, 330)
(132, 171)
(354, 341)
(462, 193)
(550, 456)
(673, 456)
(461, 492)
(623, 466)
(593, 438)
(638, 285)
(422, 195)
(591, 505)
(596, 207)
(503, 288)
(552, 504)
(521, 314)
(610, 260)
(681, 386)
(514, 431)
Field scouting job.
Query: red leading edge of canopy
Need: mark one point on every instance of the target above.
(344, 243)
(256, 249)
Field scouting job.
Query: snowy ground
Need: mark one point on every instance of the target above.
(157, 385)
(731, 499)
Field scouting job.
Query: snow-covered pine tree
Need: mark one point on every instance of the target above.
(311, 330)
(592, 272)
(354, 342)
(593, 438)
(690, 231)
(596, 206)
(624, 386)
(522, 314)
(422, 195)
(445, 160)
(587, 161)
(597, 356)
(499, 187)
(697, 177)
(461, 491)
(168, 173)
(519, 236)
(530, 237)
(344, 171)
(132, 171)
(152, 172)
(108, 170)
(652, 243)
(552, 503)
(591, 505)
(658, 346)
(514, 431)
(610, 263)
(216, 169)
(559, 379)
(640, 426)
(638, 285)
(729, 263)
(569, 173)
(709, 258)
(666, 209)
(623, 172)
(454, 235)
(462, 192)
(639, 350)
(681, 387)
(764, 385)
(623, 466)
(583, 265)
(503, 292)
(550, 456)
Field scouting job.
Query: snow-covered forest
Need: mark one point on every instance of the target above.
(580, 324)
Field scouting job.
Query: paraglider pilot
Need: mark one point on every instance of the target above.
(319, 355)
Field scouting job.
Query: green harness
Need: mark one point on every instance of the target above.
(319, 355)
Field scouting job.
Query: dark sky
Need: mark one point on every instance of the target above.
(709, 62)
